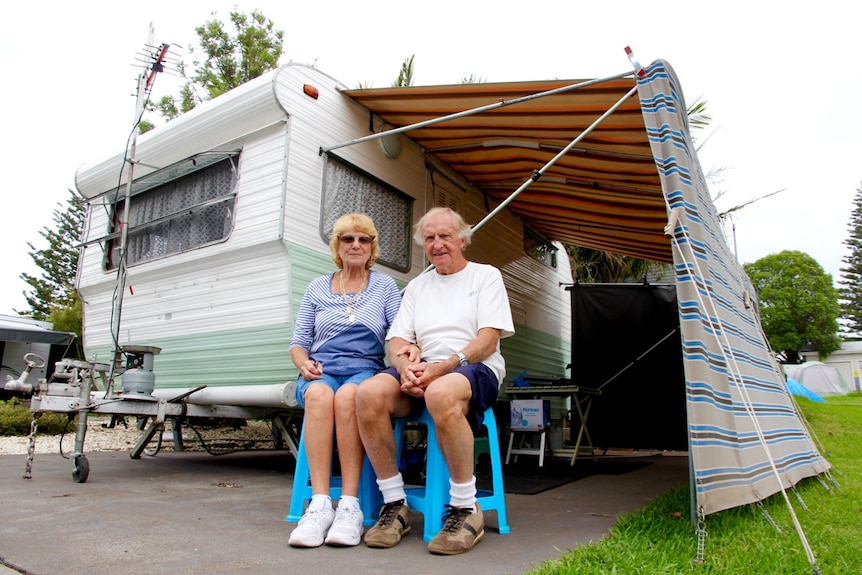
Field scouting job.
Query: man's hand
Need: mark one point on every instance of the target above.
(410, 351)
(411, 383)
(418, 376)
(405, 357)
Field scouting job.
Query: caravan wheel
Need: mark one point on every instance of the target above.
(80, 469)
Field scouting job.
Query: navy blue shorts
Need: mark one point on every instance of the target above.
(483, 384)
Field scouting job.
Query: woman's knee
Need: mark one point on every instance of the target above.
(345, 397)
(318, 394)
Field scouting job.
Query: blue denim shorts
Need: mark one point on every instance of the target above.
(333, 381)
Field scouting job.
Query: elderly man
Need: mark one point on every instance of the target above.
(444, 348)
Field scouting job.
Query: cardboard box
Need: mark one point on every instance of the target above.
(531, 414)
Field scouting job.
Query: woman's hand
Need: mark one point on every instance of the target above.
(311, 369)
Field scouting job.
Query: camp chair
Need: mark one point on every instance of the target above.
(431, 499)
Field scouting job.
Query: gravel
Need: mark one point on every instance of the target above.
(101, 437)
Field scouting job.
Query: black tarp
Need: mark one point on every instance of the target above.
(625, 341)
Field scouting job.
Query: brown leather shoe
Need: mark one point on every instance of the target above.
(392, 524)
(462, 529)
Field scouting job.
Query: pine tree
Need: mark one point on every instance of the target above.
(851, 276)
(55, 289)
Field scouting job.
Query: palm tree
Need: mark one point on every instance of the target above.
(405, 76)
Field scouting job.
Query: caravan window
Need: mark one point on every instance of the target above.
(348, 189)
(190, 211)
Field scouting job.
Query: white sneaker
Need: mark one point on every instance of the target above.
(347, 528)
(312, 528)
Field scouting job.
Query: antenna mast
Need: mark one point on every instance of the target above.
(154, 59)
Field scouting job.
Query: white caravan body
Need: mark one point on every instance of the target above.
(215, 281)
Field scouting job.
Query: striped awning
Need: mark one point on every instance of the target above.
(604, 193)
(609, 192)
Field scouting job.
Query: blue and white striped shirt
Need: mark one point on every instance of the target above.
(322, 327)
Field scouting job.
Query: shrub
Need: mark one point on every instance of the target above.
(15, 418)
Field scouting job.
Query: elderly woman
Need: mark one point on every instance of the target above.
(339, 341)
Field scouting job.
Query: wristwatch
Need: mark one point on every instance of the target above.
(462, 359)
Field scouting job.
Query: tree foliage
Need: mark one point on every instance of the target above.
(851, 276)
(226, 61)
(52, 296)
(405, 75)
(58, 262)
(472, 79)
(597, 266)
(798, 304)
(698, 117)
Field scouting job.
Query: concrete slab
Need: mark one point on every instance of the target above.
(194, 513)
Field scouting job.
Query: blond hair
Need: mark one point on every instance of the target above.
(361, 223)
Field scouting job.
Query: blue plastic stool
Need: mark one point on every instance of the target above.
(431, 499)
(370, 499)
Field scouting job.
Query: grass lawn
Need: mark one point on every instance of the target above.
(659, 538)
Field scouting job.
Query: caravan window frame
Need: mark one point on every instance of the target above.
(193, 207)
(390, 208)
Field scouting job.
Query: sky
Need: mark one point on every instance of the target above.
(782, 83)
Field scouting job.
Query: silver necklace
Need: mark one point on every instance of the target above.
(353, 300)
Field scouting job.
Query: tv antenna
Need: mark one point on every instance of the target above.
(153, 60)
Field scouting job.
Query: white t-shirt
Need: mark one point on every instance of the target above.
(443, 313)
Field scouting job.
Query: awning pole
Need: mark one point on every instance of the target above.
(473, 111)
(538, 173)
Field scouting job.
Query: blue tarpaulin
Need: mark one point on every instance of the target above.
(797, 388)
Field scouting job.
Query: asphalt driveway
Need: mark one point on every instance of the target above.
(194, 513)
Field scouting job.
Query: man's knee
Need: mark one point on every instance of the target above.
(448, 392)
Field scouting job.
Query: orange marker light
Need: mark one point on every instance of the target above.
(310, 91)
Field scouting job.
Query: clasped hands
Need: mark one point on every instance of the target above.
(416, 375)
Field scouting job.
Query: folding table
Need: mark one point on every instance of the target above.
(553, 386)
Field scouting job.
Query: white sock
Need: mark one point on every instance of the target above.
(392, 488)
(319, 503)
(463, 495)
(348, 502)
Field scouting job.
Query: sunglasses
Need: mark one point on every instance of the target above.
(364, 240)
